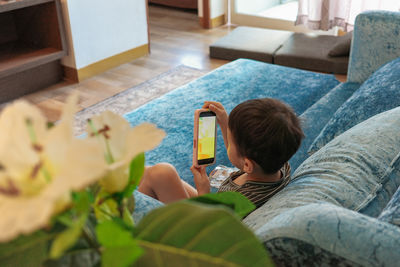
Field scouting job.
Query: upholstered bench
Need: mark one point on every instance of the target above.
(299, 50)
(249, 42)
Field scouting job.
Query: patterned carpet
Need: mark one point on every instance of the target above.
(136, 96)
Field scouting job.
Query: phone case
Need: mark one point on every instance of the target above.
(195, 138)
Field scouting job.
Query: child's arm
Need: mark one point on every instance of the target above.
(201, 180)
(222, 117)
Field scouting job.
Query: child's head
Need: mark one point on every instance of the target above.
(266, 131)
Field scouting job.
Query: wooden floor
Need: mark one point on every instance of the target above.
(175, 38)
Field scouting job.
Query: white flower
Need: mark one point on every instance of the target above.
(121, 144)
(40, 167)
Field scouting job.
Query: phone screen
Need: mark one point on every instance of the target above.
(206, 138)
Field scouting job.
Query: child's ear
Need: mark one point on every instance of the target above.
(248, 166)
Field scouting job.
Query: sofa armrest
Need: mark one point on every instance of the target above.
(376, 41)
(338, 232)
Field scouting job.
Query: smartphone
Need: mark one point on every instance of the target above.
(204, 137)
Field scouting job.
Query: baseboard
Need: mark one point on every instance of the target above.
(101, 66)
(215, 22)
(218, 21)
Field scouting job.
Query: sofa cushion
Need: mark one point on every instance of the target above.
(359, 170)
(230, 84)
(391, 213)
(249, 42)
(379, 93)
(310, 52)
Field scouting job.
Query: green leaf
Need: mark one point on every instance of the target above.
(234, 200)
(75, 220)
(136, 170)
(28, 250)
(120, 249)
(106, 207)
(67, 238)
(201, 229)
(82, 201)
(130, 203)
(121, 256)
(161, 255)
(127, 217)
(64, 219)
(111, 234)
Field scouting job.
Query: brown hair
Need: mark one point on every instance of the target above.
(266, 131)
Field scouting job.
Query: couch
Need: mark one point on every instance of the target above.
(341, 207)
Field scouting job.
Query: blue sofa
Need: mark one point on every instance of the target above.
(341, 207)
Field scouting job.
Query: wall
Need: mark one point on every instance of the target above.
(100, 29)
(200, 8)
(243, 6)
(217, 8)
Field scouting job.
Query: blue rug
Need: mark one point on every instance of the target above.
(230, 84)
(134, 97)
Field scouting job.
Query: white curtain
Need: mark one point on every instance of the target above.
(325, 14)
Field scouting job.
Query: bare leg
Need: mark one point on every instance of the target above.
(162, 182)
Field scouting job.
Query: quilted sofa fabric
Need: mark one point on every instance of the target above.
(377, 94)
(230, 84)
(286, 251)
(391, 212)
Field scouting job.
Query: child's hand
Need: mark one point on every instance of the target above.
(201, 180)
(219, 110)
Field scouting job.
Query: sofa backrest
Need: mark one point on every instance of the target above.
(376, 41)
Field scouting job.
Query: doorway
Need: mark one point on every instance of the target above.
(272, 14)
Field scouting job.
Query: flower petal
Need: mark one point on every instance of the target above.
(141, 138)
(17, 152)
(84, 164)
(59, 137)
(23, 215)
(116, 128)
(116, 178)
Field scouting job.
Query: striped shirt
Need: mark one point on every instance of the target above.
(257, 192)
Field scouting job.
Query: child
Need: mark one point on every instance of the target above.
(260, 135)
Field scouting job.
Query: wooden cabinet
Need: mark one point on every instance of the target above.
(32, 43)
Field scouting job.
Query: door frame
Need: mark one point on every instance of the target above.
(205, 21)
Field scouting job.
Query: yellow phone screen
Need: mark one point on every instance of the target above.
(206, 139)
